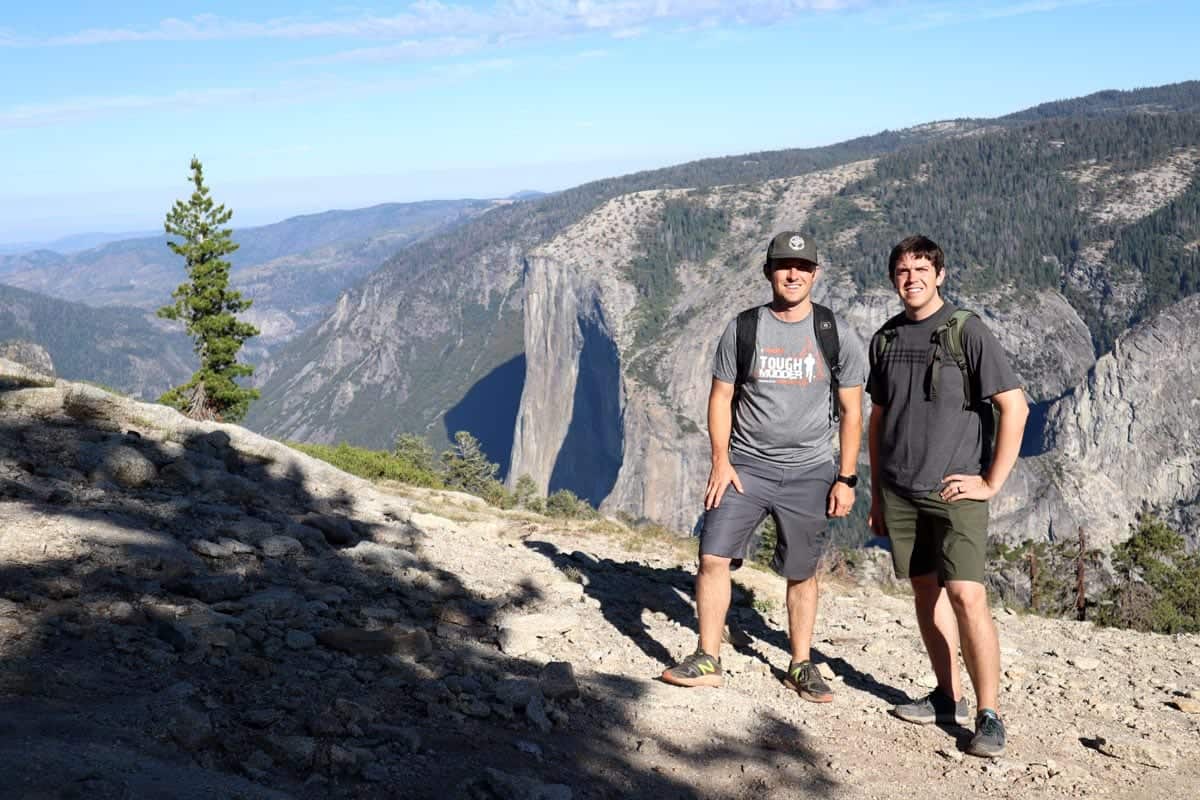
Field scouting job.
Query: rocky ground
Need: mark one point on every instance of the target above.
(189, 610)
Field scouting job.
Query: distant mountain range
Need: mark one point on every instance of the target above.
(73, 243)
(293, 270)
(572, 332)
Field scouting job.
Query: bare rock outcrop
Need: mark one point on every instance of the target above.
(1124, 441)
(28, 354)
(1050, 346)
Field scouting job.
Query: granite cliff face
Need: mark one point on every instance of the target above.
(1124, 441)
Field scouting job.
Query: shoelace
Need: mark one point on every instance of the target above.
(989, 725)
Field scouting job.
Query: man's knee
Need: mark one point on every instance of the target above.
(714, 565)
(967, 597)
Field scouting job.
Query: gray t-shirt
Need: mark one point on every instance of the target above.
(783, 413)
(925, 440)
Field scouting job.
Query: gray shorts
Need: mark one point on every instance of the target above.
(795, 497)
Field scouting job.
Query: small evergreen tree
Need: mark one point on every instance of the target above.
(208, 308)
(467, 466)
(525, 491)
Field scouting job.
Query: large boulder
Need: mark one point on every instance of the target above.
(28, 354)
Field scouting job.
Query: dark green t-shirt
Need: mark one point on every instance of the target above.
(925, 440)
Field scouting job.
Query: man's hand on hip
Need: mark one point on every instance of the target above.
(719, 478)
(966, 487)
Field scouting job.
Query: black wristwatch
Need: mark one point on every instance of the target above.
(849, 480)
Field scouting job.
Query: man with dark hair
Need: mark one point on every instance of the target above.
(942, 390)
(782, 376)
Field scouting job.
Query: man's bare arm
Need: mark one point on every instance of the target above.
(875, 450)
(841, 496)
(720, 426)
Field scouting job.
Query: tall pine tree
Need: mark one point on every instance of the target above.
(208, 308)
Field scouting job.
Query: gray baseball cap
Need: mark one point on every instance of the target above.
(792, 244)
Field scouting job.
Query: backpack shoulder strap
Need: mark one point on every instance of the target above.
(883, 339)
(747, 343)
(949, 338)
(825, 327)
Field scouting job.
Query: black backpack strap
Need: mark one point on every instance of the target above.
(825, 326)
(746, 344)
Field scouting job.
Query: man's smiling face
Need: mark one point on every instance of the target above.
(792, 280)
(917, 281)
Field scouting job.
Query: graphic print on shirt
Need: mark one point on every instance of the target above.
(776, 365)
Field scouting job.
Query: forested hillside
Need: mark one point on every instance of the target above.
(116, 347)
(1019, 208)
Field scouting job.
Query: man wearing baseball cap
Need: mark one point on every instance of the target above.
(783, 375)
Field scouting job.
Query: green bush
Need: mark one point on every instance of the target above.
(565, 504)
(1158, 587)
(372, 464)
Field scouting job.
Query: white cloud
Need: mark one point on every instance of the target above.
(936, 15)
(631, 33)
(504, 19)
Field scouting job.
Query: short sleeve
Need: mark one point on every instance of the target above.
(853, 356)
(725, 359)
(875, 382)
(987, 360)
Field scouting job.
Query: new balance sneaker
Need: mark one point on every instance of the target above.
(934, 707)
(698, 669)
(804, 677)
(988, 741)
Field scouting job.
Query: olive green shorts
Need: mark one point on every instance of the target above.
(931, 536)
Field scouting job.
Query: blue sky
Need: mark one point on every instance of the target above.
(297, 107)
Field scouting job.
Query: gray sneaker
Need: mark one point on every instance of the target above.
(988, 741)
(934, 707)
(808, 683)
(698, 669)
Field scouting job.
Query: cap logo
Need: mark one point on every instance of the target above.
(796, 242)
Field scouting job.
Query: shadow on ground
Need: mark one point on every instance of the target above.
(626, 590)
(165, 640)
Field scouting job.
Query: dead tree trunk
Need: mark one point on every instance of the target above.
(199, 407)
(1081, 578)
(1033, 579)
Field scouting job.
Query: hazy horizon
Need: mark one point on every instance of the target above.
(343, 108)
